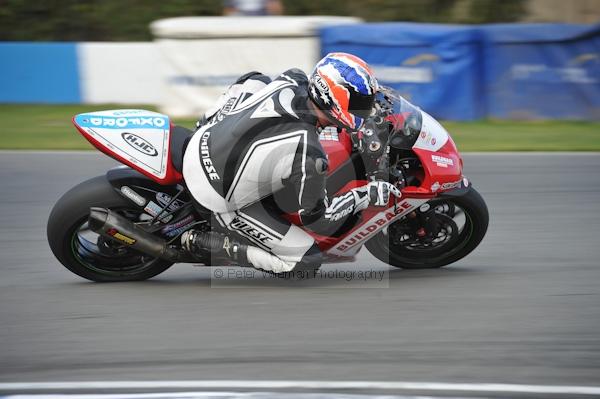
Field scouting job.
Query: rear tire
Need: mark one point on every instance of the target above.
(476, 223)
(68, 217)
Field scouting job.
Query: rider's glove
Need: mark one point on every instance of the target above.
(375, 193)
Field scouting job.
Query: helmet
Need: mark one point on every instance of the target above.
(343, 86)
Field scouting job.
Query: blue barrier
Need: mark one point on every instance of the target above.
(509, 71)
(542, 71)
(505, 71)
(431, 65)
(39, 73)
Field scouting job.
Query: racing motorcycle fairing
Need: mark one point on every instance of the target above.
(337, 146)
(373, 220)
(417, 131)
(137, 138)
(441, 172)
(439, 158)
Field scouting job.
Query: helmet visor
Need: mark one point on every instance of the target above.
(361, 106)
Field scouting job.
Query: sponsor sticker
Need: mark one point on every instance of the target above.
(128, 122)
(428, 138)
(360, 235)
(153, 209)
(176, 232)
(228, 105)
(320, 84)
(164, 198)
(249, 231)
(114, 233)
(178, 227)
(442, 161)
(124, 112)
(451, 185)
(205, 156)
(329, 134)
(435, 186)
(139, 144)
(132, 195)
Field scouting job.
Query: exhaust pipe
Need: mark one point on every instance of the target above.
(111, 225)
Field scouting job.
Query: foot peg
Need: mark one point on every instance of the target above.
(195, 241)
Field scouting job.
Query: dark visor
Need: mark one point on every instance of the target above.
(361, 105)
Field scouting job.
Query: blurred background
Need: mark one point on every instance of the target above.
(487, 68)
(512, 75)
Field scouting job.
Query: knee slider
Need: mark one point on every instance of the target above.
(312, 259)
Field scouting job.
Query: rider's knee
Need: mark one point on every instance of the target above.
(312, 259)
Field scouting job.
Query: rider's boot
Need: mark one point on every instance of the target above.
(196, 241)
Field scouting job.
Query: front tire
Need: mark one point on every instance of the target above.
(476, 218)
(87, 254)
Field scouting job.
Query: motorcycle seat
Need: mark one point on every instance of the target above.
(180, 136)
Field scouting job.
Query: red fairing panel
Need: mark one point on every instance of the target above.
(441, 161)
(373, 220)
(139, 139)
(337, 146)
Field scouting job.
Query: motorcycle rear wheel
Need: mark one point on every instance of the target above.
(463, 237)
(86, 253)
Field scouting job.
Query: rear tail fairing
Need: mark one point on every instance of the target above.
(137, 138)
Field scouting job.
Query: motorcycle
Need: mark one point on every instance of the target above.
(126, 225)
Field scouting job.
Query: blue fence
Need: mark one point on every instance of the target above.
(542, 71)
(512, 71)
(431, 65)
(39, 72)
(506, 71)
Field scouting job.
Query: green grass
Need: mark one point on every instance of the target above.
(49, 127)
(525, 136)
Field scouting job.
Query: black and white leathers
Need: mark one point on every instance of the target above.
(264, 142)
(253, 146)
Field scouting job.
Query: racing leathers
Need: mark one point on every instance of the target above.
(260, 139)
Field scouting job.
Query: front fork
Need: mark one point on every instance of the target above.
(425, 220)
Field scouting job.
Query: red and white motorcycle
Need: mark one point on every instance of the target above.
(125, 225)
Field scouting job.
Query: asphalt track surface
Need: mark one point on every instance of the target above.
(524, 308)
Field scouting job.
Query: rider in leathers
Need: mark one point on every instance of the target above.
(261, 139)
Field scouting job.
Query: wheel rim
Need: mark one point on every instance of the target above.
(455, 233)
(105, 256)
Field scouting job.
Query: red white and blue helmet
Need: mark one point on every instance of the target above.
(344, 87)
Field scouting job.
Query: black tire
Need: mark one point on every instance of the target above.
(71, 212)
(476, 224)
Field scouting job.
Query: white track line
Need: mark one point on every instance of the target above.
(218, 394)
(251, 384)
(128, 396)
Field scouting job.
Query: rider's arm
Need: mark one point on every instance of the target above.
(317, 211)
(330, 216)
(309, 181)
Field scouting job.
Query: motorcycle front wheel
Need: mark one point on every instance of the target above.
(463, 223)
(88, 254)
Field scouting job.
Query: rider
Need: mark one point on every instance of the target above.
(262, 138)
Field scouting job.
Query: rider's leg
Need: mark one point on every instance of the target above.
(273, 243)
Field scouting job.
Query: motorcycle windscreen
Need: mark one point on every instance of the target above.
(135, 137)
